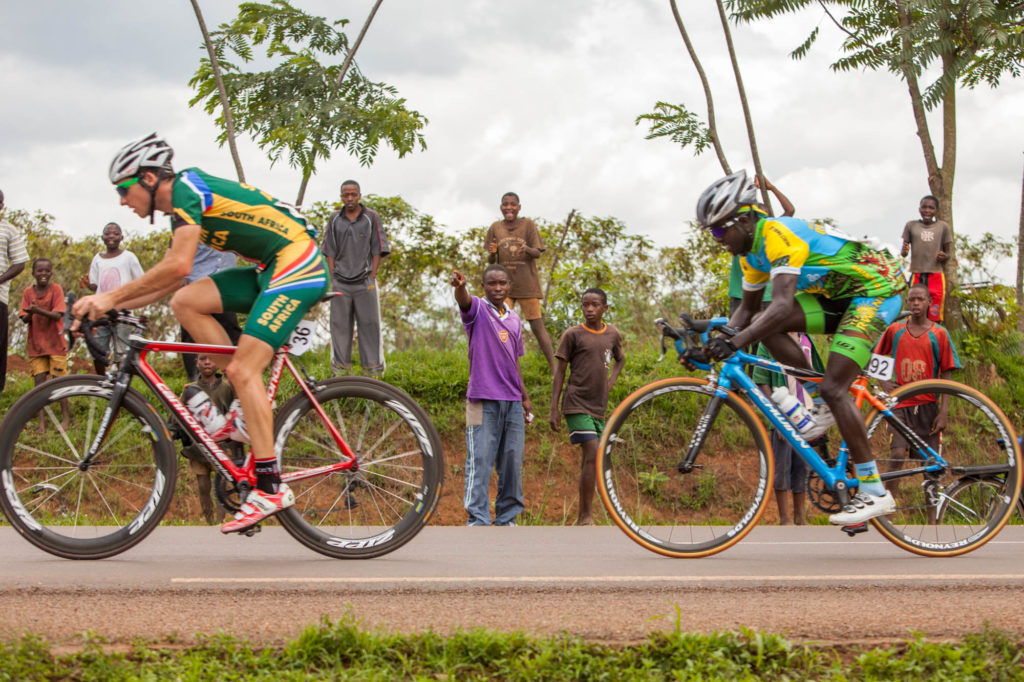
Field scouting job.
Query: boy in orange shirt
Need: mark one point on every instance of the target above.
(42, 309)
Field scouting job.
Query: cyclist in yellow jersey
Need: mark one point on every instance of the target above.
(822, 282)
(290, 277)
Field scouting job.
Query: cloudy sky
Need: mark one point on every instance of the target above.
(535, 96)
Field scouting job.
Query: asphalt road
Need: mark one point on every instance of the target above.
(812, 583)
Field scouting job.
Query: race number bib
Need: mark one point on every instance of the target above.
(302, 338)
(880, 367)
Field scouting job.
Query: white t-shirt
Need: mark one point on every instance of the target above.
(110, 273)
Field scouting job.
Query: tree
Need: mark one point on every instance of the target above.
(222, 94)
(684, 127)
(299, 110)
(966, 42)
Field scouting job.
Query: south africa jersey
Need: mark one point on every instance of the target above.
(236, 217)
(825, 261)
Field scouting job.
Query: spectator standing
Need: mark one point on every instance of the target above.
(354, 243)
(497, 406)
(928, 241)
(921, 349)
(220, 395)
(790, 468)
(13, 256)
(588, 349)
(515, 243)
(42, 309)
(109, 270)
(206, 262)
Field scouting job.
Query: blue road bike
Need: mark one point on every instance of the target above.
(685, 467)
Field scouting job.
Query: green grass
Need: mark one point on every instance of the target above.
(342, 650)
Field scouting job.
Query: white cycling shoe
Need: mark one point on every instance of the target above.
(864, 506)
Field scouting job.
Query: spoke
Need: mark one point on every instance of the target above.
(43, 453)
(407, 453)
(103, 498)
(63, 434)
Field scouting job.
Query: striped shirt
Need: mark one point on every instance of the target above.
(13, 250)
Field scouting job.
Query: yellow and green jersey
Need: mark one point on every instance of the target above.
(236, 217)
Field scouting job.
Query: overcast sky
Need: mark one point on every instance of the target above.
(535, 96)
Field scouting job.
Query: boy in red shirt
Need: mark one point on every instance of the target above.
(42, 309)
(921, 349)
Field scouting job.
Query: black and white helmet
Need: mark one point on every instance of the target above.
(151, 151)
(724, 197)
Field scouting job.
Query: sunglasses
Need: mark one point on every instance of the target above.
(122, 187)
(718, 231)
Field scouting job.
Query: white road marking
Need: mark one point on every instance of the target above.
(520, 580)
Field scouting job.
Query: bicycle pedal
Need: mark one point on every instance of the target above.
(855, 528)
(251, 530)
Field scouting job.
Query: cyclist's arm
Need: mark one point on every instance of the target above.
(775, 316)
(162, 278)
(750, 303)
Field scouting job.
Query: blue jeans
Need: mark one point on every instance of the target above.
(495, 443)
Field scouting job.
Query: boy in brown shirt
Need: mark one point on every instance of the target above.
(927, 241)
(515, 243)
(42, 309)
(588, 349)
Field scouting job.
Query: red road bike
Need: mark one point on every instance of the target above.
(363, 458)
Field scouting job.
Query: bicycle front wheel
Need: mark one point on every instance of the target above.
(684, 515)
(377, 509)
(977, 441)
(71, 509)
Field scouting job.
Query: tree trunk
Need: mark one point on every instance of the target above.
(712, 129)
(352, 52)
(302, 187)
(558, 251)
(229, 124)
(1020, 262)
(746, 107)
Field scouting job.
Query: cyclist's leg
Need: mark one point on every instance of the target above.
(863, 322)
(195, 304)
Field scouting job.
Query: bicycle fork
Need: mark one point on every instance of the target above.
(700, 433)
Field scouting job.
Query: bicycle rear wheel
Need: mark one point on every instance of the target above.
(684, 515)
(972, 500)
(380, 507)
(977, 441)
(99, 510)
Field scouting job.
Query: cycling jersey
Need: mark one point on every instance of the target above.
(825, 261)
(236, 217)
(291, 274)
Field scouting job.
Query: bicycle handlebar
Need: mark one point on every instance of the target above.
(692, 337)
(110, 318)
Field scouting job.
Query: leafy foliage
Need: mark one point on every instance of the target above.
(297, 110)
(679, 124)
(973, 41)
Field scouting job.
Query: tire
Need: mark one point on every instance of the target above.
(101, 511)
(973, 499)
(978, 440)
(367, 514)
(681, 515)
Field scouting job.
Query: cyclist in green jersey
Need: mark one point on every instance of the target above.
(822, 282)
(290, 277)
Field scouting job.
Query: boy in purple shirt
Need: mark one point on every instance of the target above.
(496, 400)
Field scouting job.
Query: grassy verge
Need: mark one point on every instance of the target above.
(343, 651)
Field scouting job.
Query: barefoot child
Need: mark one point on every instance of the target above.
(42, 309)
(588, 349)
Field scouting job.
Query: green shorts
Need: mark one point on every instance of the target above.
(583, 427)
(278, 296)
(857, 323)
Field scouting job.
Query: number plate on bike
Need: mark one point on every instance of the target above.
(880, 367)
(302, 338)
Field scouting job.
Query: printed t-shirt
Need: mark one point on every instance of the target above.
(925, 242)
(110, 273)
(45, 336)
(522, 269)
(590, 355)
(825, 261)
(13, 250)
(918, 357)
(495, 346)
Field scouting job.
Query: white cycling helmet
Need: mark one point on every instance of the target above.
(725, 197)
(151, 151)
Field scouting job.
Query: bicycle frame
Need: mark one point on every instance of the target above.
(134, 363)
(731, 376)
